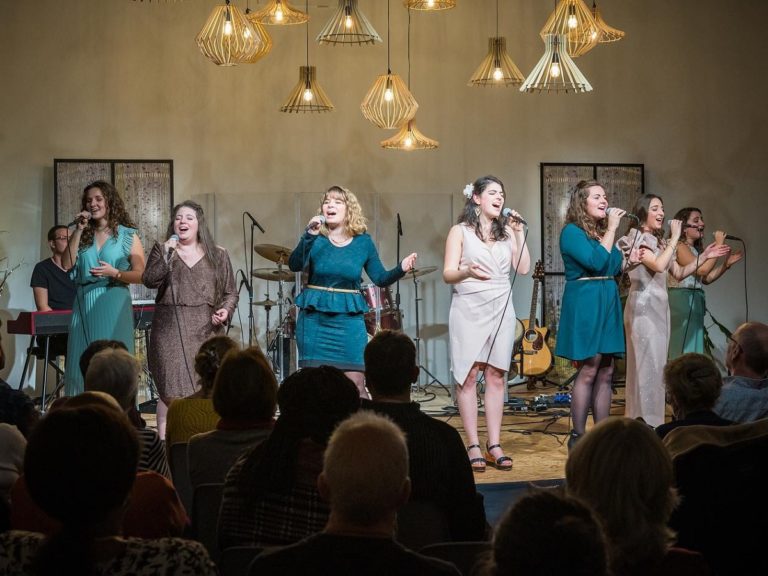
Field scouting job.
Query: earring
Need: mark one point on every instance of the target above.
(477, 211)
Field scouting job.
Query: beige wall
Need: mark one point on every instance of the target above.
(684, 94)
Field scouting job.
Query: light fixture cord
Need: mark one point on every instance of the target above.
(409, 48)
(497, 18)
(389, 69)
(306, 8)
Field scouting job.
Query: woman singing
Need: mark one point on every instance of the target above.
(481, 250)
(196, 296)
(104, 255)
(687, 304)
(646, 314)
(335, 250)
(590, 331)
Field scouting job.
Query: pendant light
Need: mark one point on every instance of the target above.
(280, 13)
(266, 41)
(348, 26)
(607, 33)
(430, 5)
(556, 71)
(574, 20)
(227, 37)
(497, 69)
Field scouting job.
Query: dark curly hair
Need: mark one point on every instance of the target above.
(116, 212)
(683, 214)
(209, 358)
(577, 210)
(470, 216)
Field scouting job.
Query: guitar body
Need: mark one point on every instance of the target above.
(536, 355)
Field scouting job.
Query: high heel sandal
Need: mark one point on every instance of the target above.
(477, 464)
(500, 463)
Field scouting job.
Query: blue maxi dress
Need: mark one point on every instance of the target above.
(330, 328)
(591, 319)
(102, 307)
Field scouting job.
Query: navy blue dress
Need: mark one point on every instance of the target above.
(330, 328)
(591, 320)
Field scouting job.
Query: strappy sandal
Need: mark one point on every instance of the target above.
(477, 464)
(500, 463)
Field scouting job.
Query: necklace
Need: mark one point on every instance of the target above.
(342, 242)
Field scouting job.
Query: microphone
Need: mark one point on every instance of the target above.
(77, 219)
(172, 249)
(399, 225)
(315, 224)
(253, 221)
(507, 213)
(626, 215)
(736, 238)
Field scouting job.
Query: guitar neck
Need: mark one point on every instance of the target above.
(534, 299)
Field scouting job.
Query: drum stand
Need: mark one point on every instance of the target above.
(417, 340)
(278, 345)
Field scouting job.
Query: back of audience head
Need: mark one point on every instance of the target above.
(95, 347)
(209, 358)
(693, 383)
(363, 485)
(79, 466)
(115, 372)
(390, 364)
(622, 471)
(18, 409)
(547, 533)
(747, 353)
(245, 387)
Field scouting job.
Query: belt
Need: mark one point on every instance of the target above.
(329, 289)
(685, 288)
(595, 278)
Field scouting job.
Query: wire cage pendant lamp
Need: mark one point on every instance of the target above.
(574, 20)
(497, 68)
(348, 26)
(265, 46)
(607, 33)
(227, 37)
(280, 13)
(430, 5)
(556, 71)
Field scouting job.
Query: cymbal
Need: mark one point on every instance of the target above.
(273, 252)
(265, 303)
(416, 272)
(273, 274)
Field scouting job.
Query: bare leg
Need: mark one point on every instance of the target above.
(494, 403)
(601, 390)
(466, 398)
(581, 393)
(161, 411)
(359, 379)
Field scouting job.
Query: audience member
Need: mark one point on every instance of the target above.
(744, 397)
(195, 413)
(365, 488)
(439, 469)
(621, 469)
(114, 371)
(270, 495)
(84, 484)
(547, 533)
(693, 385)
(12, 446)
(17, 409)
(245, 396)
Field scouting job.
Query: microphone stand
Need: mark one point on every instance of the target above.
(397, 287)
(249, 279)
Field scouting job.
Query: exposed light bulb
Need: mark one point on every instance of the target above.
(227, 28)
(498, 74)
(554, 70)
(308, 95)
(594, 34)
(388, 96)
(279, 12)
(408, 141)
(431, 3)
(348, 21)
(246, 33)
(572, 22)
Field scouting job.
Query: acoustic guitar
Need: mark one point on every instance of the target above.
(536, 355)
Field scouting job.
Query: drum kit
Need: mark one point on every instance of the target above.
(383, 313)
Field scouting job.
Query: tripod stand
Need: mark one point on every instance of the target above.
(432, 379)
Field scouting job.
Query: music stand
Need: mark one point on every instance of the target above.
(417, 340)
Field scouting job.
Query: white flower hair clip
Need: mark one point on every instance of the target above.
(468, 190)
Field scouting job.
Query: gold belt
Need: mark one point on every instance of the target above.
(329, 289)
(596, 278)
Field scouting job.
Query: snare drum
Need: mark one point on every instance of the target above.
(376, 297)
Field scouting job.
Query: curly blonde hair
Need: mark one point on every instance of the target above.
(577, 210)
(355, 223)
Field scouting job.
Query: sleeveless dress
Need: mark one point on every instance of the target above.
(102, 307)
(687, 306)
(478, 330)
(646, 323)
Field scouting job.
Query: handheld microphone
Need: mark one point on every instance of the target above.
(253, 221)
(315, 224)
(626, 215)
(399, 225)
(172, 249)
(77, 219)
(736, 238)
(507, 213)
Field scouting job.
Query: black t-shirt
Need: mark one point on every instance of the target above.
(61, 290)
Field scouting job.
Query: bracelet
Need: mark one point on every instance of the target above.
(119, 275)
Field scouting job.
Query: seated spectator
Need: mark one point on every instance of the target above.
(245, 396)
(270, 495)
(195, 414)
(744, 397)
(114, 371)
(84, 485)
(439, 469)
(17, 409)
(153, 511)
(546, 533)
(12, 447)
(622, 471)
(365, 487)
(693, 385)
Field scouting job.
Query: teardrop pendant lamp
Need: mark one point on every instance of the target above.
(607, 33)
(409, 138)
(348, 26)
(227, 37)
(265, 46)
(389, 103)
(280, 13)
(497, 68)
(430, 5)
(307, 95)
(556, 71)
(574, 20)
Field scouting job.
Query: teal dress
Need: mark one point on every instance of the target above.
(330, 328)
(102, 307)
(591, 319)
(687, 307)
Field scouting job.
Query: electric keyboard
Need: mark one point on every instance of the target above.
(54, 322)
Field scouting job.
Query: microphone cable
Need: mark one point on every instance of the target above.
(176, 316)
(692, 303)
